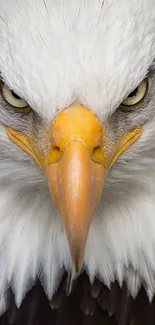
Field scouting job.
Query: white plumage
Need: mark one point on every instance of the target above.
(54, 53)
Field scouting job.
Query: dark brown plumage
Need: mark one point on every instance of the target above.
(86, 305)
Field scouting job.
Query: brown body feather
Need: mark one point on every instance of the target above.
(86, 305)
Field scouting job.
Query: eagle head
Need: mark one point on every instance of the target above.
(77, 142)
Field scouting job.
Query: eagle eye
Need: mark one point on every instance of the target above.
(13, 100)
(136, 97)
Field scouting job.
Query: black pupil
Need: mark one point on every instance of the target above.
(15, 95)
(134, 92)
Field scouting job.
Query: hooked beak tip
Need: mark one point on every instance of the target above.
(78, 267)
(77, 263)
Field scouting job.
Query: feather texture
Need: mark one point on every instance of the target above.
(110, 307)
(54, 53)
(76, 53)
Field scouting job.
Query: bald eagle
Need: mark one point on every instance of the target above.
(77, 162)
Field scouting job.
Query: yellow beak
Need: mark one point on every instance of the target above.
(76, 184)
(75, 166)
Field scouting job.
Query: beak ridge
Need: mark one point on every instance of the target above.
(76, 182)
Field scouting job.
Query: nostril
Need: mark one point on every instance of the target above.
(96, 150)
(55, 154)
(98, 154)
(56, 149)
